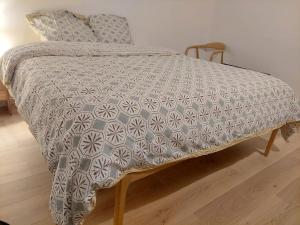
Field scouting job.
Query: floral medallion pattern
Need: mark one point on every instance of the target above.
(157, 123)
(122, 157)
(91, 142)
(101, 110)
(115, 133)
(107, 111)
(82, 122)
(80, 187)
(137, 127)
(100, 168)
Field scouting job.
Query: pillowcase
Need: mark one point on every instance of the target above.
(61, 25)
(111, 29)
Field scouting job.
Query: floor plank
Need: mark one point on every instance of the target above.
(284, 208)
(236, 204)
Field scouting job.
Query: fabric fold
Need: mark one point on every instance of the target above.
(101, 111)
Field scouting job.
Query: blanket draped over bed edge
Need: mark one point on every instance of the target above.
(101, 111)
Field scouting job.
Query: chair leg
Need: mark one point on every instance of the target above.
(222, 58)
(271, 142)
(197, 53)
(120, 200)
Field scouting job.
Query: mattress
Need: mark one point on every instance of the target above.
(101, 111)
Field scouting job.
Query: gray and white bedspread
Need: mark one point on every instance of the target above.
(100, 111)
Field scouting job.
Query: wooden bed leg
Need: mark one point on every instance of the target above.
(10, 106)
(271, 142)
(120, 200)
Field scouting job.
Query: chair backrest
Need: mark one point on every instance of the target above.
(211, 50)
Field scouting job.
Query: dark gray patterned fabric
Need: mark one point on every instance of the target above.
(60, 25)
(100, 111)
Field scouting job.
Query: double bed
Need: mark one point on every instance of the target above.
(109, 114)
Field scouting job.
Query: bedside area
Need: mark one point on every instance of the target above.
(5, 98)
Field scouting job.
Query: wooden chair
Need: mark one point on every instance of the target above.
(217, 47)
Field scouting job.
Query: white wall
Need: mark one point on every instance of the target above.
(170, 23)
(262, 35)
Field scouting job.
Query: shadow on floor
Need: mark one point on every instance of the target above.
(3, 223)
(9, 119)
(173, 179)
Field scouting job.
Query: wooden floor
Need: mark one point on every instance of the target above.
(238, 186)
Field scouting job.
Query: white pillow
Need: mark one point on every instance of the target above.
(111, 29)
(61, 25)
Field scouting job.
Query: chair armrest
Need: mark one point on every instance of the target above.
(217, 46)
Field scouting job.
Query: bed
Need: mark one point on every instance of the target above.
(107, 112)
(110, 114)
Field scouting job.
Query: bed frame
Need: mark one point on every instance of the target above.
(122, 186)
